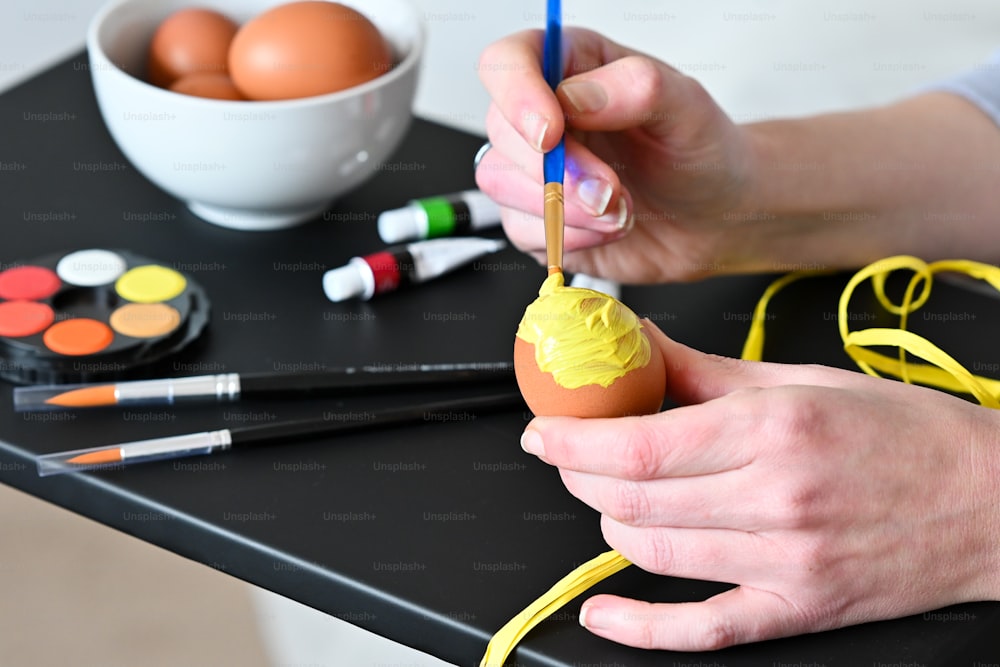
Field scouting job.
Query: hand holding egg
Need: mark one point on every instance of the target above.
(298, 49)
(581, 353)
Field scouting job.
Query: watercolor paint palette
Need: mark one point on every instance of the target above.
(94, 315)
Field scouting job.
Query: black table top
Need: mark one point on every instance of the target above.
(432, 535)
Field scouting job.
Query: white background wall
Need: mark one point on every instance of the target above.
(760, 58)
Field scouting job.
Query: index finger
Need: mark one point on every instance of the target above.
(682, 442)
(511, 71)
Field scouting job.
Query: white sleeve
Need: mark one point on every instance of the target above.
(980, 85)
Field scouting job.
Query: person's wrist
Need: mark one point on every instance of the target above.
(976, 491)
(991, 472)
(801, 197)
(766, 191)
(762, 199)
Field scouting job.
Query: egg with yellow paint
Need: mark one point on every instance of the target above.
(582, 353)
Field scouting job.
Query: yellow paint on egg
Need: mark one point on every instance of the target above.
(582, 336)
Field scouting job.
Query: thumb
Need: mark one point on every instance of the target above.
(696, 377)
(738, 616)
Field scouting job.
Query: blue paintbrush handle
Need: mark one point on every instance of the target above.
(552, 57)
(554, 161)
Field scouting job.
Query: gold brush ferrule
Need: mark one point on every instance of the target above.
(554, 226)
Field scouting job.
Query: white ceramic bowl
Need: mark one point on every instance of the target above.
(251, 165)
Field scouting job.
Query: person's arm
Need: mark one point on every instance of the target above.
(980, 85)
(831, 498)
(917, 177)
(661, 185)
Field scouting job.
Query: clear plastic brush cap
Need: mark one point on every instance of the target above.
(224, 386)
(116, 457)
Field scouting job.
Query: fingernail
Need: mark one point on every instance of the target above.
(585, 96)
(620, 218)
(591, 617)
(535, 127)
(531, 442)
(595, 193)
(625, 217)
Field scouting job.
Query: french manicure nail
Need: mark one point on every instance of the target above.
(585, 96)
(625, 217)
(535, 127)
(531, 442)
(591, 617)
(595, 193)
(619, 216)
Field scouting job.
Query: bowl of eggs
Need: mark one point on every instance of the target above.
(257, 114)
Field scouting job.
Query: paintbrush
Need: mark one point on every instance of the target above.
(554, 160)
(233, 386)
(208, 442)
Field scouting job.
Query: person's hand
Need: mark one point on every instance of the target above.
(830, 497)
(651, 160)
(662, 186)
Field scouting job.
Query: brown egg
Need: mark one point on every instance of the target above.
(581, 353)
(216, 86)
(638, 392)
(189, 41)
(302, 49)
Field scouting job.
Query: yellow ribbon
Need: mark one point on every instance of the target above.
(942, 372)
(563, 591)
